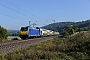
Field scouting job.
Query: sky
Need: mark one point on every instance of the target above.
(17, 13)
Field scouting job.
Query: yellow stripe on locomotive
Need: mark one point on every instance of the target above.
(23, 32)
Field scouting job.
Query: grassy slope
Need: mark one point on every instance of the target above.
(76, 47)
(12, 37)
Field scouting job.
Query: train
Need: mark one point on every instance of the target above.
(33, 32)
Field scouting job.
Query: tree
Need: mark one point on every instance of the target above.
(69, 30)
(3, 33)
(75, 28)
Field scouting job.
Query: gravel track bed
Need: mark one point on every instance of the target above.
(10, 46)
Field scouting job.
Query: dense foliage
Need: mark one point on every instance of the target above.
(69, 30)
(61, 26)
(72, 48)
(3, 33)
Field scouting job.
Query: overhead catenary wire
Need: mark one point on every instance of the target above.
(16, 7)
(47, 21)
(10, 16)
(6, 15)
(11, 4)
(14, 10)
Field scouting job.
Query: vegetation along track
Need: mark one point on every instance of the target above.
(10, 46)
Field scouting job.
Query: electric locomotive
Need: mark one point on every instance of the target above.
(29, 32)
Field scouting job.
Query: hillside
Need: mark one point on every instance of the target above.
(72, 48)
(60, 26)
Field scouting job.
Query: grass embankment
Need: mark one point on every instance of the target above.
(12, 37)
(76, 47)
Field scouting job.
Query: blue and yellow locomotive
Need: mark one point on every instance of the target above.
(30, 32)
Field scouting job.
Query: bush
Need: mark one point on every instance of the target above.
(73, 48)
(3, 33)
(15, 39)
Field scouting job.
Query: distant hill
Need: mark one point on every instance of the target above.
(13, 32)
(60, 26)
(10, 31)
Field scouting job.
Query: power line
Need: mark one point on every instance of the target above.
(6, 15)
(11, 4)
(16, 7)
(14, 10)
(47, 21)
(10, 16)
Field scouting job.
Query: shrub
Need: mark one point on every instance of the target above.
(3, 33)
(15, 39)
(73, 48)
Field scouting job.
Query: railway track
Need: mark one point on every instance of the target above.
(10, 46)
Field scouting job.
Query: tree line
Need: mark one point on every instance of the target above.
(3, 33)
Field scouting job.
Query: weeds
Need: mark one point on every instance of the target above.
(73, 48)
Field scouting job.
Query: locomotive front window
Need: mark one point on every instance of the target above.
(24, 28)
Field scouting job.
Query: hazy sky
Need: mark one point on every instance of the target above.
(17, 13)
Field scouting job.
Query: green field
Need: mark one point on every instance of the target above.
(12, 37)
